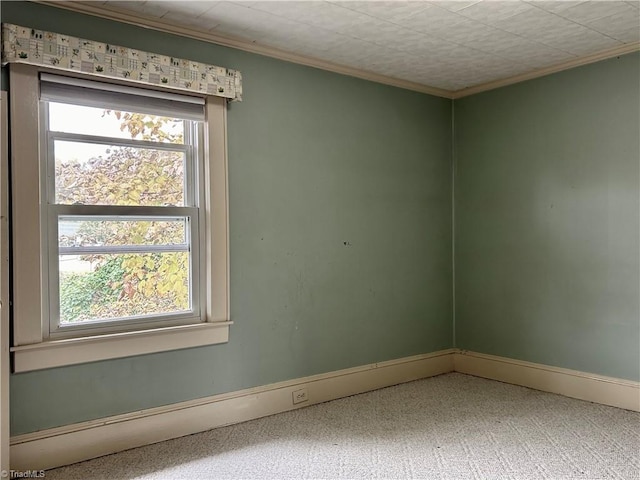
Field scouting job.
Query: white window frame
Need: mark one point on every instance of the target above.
(33, 347)
(192, 149)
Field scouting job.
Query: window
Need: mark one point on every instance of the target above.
(127, 239)
(122, 212)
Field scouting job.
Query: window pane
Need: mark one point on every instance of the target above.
(94, 174)
(107, 123)
(82, 232)
(109, 287)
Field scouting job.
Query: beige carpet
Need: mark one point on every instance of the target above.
(449, 427)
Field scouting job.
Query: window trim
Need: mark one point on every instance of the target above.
(31, 348)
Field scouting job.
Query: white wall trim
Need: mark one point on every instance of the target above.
(72, 351)
(104, 11)
(68, 444)
(216, 211)
(130, 17)
(571, 383)
(4, 285)
(81, 441)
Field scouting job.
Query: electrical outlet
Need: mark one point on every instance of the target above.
(300, 396)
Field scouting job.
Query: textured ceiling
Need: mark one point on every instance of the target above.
(449, 45)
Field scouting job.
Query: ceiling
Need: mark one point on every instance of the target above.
(446, 45)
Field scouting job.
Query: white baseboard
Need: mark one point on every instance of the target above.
(571, 383)
(74, 443)
(81, 441)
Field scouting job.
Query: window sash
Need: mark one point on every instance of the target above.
(129, 218)
(118, 142)
(193, 198)
(183, 247)
(193, 315)
(187, 215)
(191, 148)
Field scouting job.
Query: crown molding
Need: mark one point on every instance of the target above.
(133, 18)
(576, 62)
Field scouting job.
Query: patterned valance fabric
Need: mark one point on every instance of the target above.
(37, 47)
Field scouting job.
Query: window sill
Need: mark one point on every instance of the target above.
(57, 353)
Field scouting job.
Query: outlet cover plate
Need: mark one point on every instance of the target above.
(300, 396)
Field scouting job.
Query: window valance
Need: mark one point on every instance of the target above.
(38, 47)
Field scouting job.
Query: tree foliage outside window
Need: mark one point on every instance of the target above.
(130, 284)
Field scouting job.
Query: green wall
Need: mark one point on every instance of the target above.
(547, 229)
(316, 159)
(547, 220)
